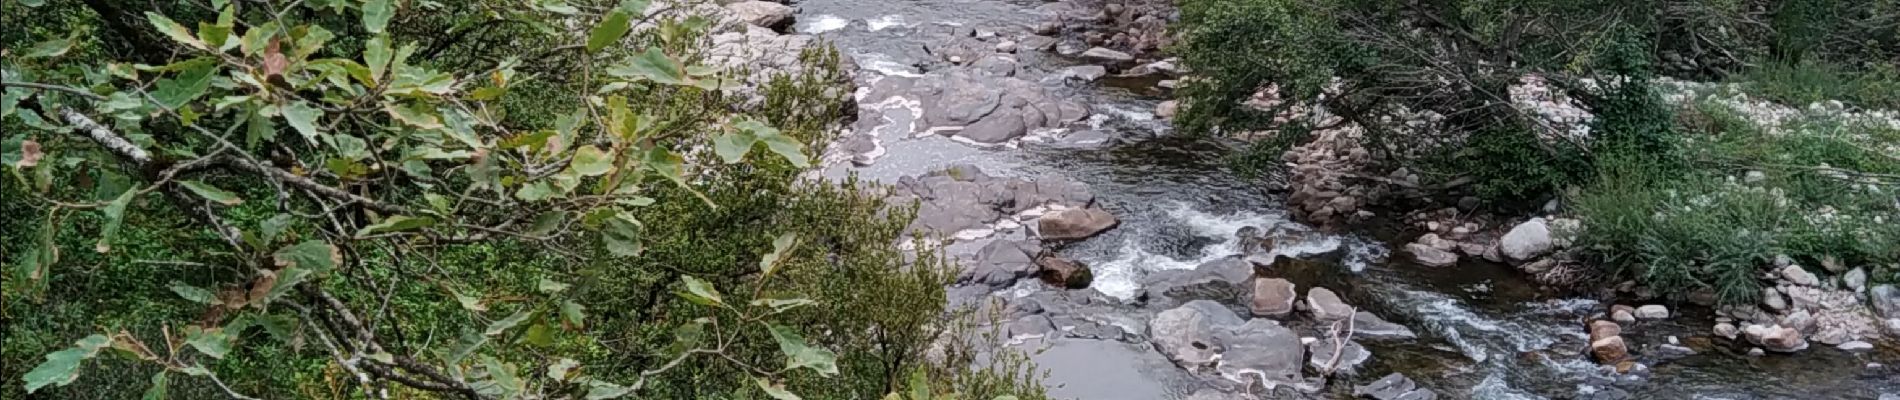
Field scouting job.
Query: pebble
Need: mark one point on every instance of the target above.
(1652, 311)
(1756, 352)
(1855, 346)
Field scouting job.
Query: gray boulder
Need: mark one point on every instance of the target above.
(1261, 351)
(1326, 305)
(1393, 387)
(1272, 298)
(764, 14)
(1886, 300)
(1365, 325)
(1075, 224)
(996, 128)
(1185, 334)
(1351, 355)
(1526, 241)
(1106, 56)
(1086, 73)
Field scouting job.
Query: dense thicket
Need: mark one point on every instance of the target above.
(350, 199)
(1429, 83)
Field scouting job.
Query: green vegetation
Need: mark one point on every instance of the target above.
(1653, 181)
(413, 199)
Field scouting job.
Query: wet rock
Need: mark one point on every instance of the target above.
(1064, 273)
(1528, 240)
(1031, 326)
(1036, 43)
(1855, 346)
(1794, 274)
(1075, 224)
(1326, 305)
(1167, 109)
(1230, 269)
(1261, 350)
(1727, 330)
(1071, 47)
(1772, 299)
(1086, 73)
(1272, 298)
(1351, 355)
(1365, 325)
(997, 128)
(1211, 394)
(1185, 334)
(1609, 350)
(1106, 56)
(1604, 329)
(996, 65)
(1775, 338)
(999, 264)
(1168, 67)
(1652, 311)
(1393, 387)
(1622, 314)
(1430, 256)
(764, 14)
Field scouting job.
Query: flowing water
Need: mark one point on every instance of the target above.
(1485, 333)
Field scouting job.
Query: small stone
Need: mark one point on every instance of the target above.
(1326, 305)
(1753, 177)
(1772, 299)
(1855, 346)
(1783, 261)
(1272, 297)
(1756, 352)
(1007, 46)
(1601, 329)
(1468, 203)
(1855, 279)
(1674, 341)
(1622, 314)
(1652, 311)
(1167, 109)
(1430, 256)
(1794, 274)
(1106, 56)
(1086, 73)
(1727, 330)
(1609, 350)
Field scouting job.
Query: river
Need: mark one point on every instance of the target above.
(1485, 333)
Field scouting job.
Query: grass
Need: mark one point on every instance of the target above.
(1823, 188)
(1798, 84)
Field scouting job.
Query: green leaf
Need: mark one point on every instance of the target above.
(622, 235)
(256, 38)
(311, 255)
(174, 31)
(601, 390)
(504, 324)
(195, 294)
(211, 342)
(418, 115)
(50, 48)
(592, 161)
(769, 262)
(609, 31)
(274, 226)
(653, 65)
(468, 302)
(62, 367)
(547, 222)
(287, 279)
(787, 147)
(376, 14)
(159, 387)
(190, 83)
(470, 342)
(801, 355)
(780, 305)
(376, 57)
(460, 128)
(115, 216)
(384, 357)
(558, 371)
(638, 7)
(212, 193)
(777, 391)
(701, 292)
(303, 117)
(919, 384)
(214, 36)
(538, 335)
(396, 223)
(549, 286)
(557, 7)
(733, 146)
(574, 314)
(537, 191)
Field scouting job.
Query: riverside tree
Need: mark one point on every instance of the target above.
(422, 195)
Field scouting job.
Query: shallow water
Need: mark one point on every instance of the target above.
(1485, 333)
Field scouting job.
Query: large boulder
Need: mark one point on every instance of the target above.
(764, 14)
(1185, 334)
(1526, 241)
(1064, 273)
(1261, 351)
(1351, 355)
(1272, 298)
(999, 264)
(1326, 305)
(1075, 224)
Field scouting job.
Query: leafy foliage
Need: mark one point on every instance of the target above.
(331, 199)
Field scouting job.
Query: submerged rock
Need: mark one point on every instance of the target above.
(1431, 256)
(1368, 326)
(1393, 387)
(1351, 355)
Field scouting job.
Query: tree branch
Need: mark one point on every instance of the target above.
(111, 141)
